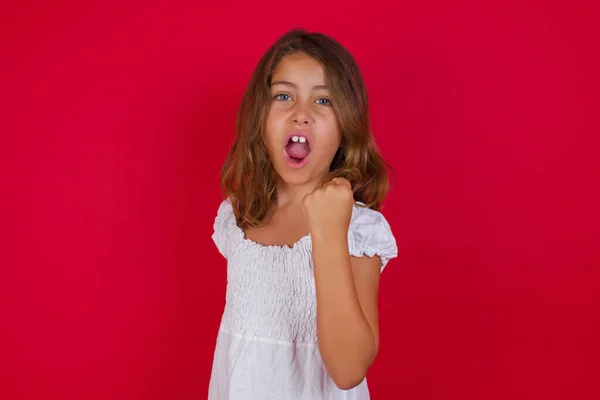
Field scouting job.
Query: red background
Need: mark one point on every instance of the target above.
(115, 120)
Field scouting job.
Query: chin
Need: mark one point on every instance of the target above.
(295, 178)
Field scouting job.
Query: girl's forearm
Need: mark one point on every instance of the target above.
(346, 340)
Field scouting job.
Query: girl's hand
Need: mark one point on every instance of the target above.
(329, 209)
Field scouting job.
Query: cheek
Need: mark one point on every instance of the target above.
(272, 124)
(330, 143)
(276, 116)
(272, 132)
(335, 135)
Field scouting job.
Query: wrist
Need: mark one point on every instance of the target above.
(330, 234)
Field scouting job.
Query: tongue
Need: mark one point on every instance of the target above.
(297, 150)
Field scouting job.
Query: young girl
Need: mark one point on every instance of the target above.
(299, 228)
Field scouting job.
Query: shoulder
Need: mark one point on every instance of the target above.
(362, 215)
(225, 227)
(370, 234)
(225, 217)
(225, 208)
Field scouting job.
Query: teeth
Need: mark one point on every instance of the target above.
(300, 139)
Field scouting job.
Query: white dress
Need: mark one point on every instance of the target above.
(267, 342)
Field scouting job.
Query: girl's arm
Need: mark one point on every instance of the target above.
(347, 323)
(346, 287)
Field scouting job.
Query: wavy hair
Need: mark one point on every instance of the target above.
(249, 179)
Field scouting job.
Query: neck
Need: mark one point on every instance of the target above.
(290, 195)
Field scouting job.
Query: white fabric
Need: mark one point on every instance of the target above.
(267, 342)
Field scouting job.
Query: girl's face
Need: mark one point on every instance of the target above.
(301, 131)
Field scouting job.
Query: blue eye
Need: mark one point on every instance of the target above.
(282, 97)
(324, 101)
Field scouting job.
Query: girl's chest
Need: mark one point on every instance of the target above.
(279, 232)
(255, 266)
(271, 287)
(264, 273)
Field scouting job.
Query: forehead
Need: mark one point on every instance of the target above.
(300, 68)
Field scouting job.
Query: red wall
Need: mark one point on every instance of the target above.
(115, 118)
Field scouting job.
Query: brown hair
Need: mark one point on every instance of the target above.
(248, 177)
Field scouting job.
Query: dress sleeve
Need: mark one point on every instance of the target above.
(224, 228)
(371, 235)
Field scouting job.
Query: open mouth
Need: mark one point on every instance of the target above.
(297, 149)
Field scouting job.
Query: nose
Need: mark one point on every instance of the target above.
(301, 119)
(302, 115)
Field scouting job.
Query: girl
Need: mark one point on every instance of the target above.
(300, 231)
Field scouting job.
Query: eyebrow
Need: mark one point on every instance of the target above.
(287, 83)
